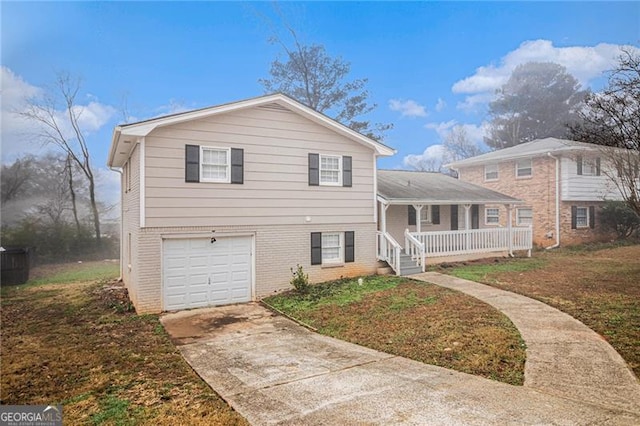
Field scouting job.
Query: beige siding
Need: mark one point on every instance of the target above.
(397, 221)
(276, 145)
(130, 224)
(278, 249)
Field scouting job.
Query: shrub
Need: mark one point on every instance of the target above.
(300, 280)
(619, 217)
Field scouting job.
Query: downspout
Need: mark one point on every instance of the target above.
(119, 171)
(557, 244)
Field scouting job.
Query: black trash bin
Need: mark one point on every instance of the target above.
(15, 265)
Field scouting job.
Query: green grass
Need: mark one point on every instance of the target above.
(339, 292)
(480, 272)
(78, 272)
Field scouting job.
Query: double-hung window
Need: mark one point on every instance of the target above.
(524, 216)
(330, 170)
(492, 216)
(425, 215)
(332, 247)
(523, 168)
(582, 217)
(214, 164)
(491, 172)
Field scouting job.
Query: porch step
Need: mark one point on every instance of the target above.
(408, 266)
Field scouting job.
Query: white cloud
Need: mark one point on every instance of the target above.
(585, 63)
(475, 132)
(408, 108)
(441, 128)
(440, 105)
(17, 133)
(431, 159)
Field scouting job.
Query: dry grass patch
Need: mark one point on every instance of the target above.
(416, 320)
(598, 285)
(81, 345)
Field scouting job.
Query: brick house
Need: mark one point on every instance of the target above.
(561, 182)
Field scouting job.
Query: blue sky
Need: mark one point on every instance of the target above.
(430, 65)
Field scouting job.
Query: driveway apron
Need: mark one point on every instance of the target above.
(273, 371)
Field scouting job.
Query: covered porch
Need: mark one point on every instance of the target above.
(430, 218)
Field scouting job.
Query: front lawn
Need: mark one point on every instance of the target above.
(70, 339)
(599, 285)
(413, 319)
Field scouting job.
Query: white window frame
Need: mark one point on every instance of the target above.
(589, 167)
(320, 169)
(487, 171)
(586, 217)
(519, 169)
(426, 212)
(340, 258)
(518, 218)
(496, 216)
(227, 178)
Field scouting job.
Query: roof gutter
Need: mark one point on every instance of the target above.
(114, 145)
(557, 244)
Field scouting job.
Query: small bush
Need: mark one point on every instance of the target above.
(300, 280)
(619, 217)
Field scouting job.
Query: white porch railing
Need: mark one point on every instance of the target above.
(451, 243)
(388, 249)
(415, 249)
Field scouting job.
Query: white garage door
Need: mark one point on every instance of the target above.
(197, 272)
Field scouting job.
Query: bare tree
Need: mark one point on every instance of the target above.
(15, 178)
(318, 80)
(65, 132)
(611, 118)
(458, 146)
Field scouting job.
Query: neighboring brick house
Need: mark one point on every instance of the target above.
(560, 181)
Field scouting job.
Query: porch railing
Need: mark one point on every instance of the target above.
(414, 248)
(451, 243)
(388, 249)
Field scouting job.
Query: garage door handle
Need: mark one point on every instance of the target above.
(209, 280)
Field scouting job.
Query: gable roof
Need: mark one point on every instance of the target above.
(125, 134)
(409, 187)
(536, 148)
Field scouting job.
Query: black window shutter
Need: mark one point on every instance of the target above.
(579, 163)
(574, 217)
(454, 217)
(346, 171)
(411, 220)
(237, 165)
(314, 169)
(598, 166)
(435, 215)
(316, 248)
(192, 163)
(592, 217)
(349, 246)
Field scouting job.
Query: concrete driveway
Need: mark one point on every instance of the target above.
(273, 371)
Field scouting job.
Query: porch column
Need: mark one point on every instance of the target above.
(510, 228)
(383, 217)
(467, 218)
(467, 226)
(418, 215)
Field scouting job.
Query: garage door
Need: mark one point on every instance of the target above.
(198, 272)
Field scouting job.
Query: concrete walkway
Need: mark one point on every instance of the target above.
(564, 357)
(273, 371)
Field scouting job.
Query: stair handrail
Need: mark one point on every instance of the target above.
(415, 249)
